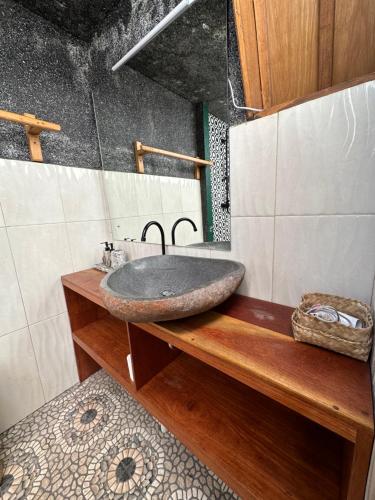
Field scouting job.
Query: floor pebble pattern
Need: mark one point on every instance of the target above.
(95, 441)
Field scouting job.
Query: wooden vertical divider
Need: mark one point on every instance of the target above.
(149, 355)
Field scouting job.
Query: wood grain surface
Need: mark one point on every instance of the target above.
(239, 392)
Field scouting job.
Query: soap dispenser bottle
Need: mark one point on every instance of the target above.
(106, 254)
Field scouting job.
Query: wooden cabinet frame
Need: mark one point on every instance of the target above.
(291, 50)
(274, 418)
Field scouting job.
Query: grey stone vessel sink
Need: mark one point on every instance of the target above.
(166, 287)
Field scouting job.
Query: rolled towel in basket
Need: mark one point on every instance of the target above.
(329, 314)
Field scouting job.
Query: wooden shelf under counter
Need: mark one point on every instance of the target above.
(272, 417)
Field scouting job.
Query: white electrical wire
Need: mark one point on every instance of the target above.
(236, 105)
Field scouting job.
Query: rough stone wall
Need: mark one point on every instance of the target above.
(130, 106)
(45, 71)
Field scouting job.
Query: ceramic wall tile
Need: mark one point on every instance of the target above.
(42, 256)
(184, 232)
(171, 194)
(253, 167)
(189, 251)
(326, 155)
(136, 250)
(82, 194)
(2, 222)
(252, 244)
(191, 195)
(153, 233)
(147, 188)
(29, 193)
(332, 254)
(121, 194)
(195, 236)
(85, 240)
(127, 227)
(52, 341)
(12, 314)
(20, 388)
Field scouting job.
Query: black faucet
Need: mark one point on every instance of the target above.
(177, 223)
(154, 223)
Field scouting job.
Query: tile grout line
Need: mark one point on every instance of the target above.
(35, 323)
(274, 211)
(26, 318)
(65, 224)
(308, 215)
(64, 221)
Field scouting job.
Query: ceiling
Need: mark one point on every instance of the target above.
(190, 56)
(80, 18)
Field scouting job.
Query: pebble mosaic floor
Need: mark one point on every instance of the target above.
(94, 441)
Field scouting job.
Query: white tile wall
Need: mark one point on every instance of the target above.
(29, 193)
(320, 157)
(20, 388)
(12, 314)
(252, 244)
(326, 155)
(332, 254)
(171, 194)
(148, 194)
(135, 199)
(52, 341)
(189, 251)
(184, 233)
(253, 148)
(121, 194)
(82, 194)
(85, 242)
(2, 222)
(127, 227)
(191, 195)
(42, 256)
(38, 244)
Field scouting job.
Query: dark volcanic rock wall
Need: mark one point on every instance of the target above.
(130, 106)
(45, 71)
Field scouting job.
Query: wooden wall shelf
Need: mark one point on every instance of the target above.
(274, 418)
(33, 127)
(140, 150)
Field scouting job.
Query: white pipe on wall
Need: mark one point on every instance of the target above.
(172, 16)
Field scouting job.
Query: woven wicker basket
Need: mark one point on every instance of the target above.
(353, 342)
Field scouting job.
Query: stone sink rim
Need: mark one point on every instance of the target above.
(192, 301)
(104, 283)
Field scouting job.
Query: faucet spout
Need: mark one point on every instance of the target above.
(154, 223)
(177, 223)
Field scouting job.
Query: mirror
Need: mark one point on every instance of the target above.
(172, 96)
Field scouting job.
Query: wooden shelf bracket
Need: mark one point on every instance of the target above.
(140, 150)
(33, 127)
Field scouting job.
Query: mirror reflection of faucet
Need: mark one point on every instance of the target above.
(177, 223)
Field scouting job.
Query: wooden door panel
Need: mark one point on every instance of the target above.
(290, 49)
(354, 39)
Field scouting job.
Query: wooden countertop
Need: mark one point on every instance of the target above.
(251, 341)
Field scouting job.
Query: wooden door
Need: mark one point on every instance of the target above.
(290, 49)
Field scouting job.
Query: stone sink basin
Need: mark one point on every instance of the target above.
(166, 287)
